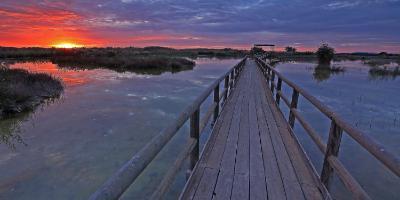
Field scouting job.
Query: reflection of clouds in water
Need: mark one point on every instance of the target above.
(56, 158)
(160, 112)
(211, 77)
(197, 82)
(5, 157)
(328, 100)
(132, 95)
(152, 96)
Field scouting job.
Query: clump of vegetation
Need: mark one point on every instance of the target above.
(384, 72)
(376, 62)
(257, 51)
(141, 64)
(22, 91)
(290, 49)
(325, 54)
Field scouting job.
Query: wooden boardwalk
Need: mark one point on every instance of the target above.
(251, 153)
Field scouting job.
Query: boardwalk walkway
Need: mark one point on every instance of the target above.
(251, 153)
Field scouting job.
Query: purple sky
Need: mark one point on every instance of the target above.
(357, 25)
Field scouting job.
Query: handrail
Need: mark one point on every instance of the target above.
(338, 125)
(120, 181)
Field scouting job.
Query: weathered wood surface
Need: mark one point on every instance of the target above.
(251, 153)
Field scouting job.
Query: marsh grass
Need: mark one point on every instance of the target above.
(138, 64)
(23, 91)
(384, 72)
(11, 52)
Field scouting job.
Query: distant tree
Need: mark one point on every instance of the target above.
(290, 49)
(256, 51)
(325, 54)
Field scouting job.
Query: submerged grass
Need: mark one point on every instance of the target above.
(384, 72)
(22, 91)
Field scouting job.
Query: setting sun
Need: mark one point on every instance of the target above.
(67, 45)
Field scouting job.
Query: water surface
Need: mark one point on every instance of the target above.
(70, 147)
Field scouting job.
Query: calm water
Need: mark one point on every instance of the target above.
(70, 147)
(371, 104)
(73, 145)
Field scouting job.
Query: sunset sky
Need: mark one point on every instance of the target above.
(353, 25)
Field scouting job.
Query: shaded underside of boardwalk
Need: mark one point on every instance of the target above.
(252, 153)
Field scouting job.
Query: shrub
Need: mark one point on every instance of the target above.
(289, 49)
(325, 54)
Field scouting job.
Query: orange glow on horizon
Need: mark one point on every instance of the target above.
(67, 45)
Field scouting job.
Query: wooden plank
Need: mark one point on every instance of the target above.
(214, 159)
(191, 186)
(291, 184)
(206, 185)
(241, 176)
(225, 116)
(258, 187)
(240, 191)
(225, 179)
(311, 186)
(273, 177)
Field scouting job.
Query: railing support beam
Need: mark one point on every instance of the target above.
(335, 137)
(278, 89)
(216, 100)
(293, 105)
(273, 82)
(194, 134)
(226, 86)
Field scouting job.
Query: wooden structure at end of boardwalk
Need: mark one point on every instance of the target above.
(252, 152)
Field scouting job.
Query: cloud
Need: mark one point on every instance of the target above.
(342, 4)
(179, 23)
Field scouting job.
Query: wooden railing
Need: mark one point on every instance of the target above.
(338, 126)
(116, 185)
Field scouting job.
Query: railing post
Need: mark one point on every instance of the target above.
(278, 89)
(272, 82)
(194, 134)
(267, 75)
(216, 100)
(334, 139)
(226, 86)
(293, 105)
(232, 79)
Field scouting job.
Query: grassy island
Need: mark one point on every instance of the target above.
(22, 91)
